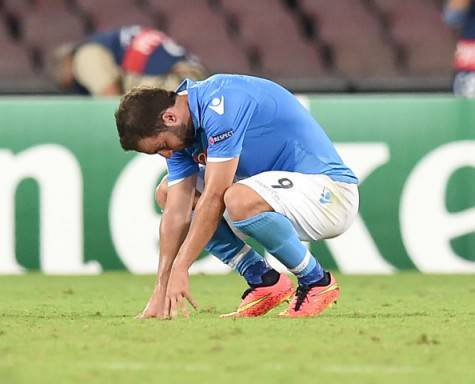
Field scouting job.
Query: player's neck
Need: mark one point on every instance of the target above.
(181, 104)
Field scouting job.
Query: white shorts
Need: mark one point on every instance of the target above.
(318, 207)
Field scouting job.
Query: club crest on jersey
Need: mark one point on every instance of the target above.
(200, 158)
(220, 137)
(326, 196)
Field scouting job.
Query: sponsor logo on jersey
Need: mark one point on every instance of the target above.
(220, 137)
(217, 105)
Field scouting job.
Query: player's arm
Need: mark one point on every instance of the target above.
(113, 89)
(95, 68)
(174, 226)
(208, 211)
(175, 222)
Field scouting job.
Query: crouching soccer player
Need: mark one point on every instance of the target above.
(267, 162)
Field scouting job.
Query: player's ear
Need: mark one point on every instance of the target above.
(169, 117)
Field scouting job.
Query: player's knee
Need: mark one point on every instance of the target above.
(243, 202)
(161, 193)
(234, 201)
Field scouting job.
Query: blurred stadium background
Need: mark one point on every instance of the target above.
(307, 45)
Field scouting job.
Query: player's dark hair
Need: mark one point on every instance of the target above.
(139, 114)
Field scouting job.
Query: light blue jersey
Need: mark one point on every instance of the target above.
(259, 121)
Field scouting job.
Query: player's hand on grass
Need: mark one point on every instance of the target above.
(151, 310)
(177, 294)
(155, 304)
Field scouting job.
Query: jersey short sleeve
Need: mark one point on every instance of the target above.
(180, 166)
(227, 116)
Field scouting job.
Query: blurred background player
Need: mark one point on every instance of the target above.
(110, 63)
(460, 14)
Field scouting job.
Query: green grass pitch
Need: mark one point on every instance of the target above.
(406, 328)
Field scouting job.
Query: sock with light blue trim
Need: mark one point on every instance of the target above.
(231, 250)
(277, 234)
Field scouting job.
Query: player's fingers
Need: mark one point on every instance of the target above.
(173, 313)
(166, 311)
(163, 315)
(182, 306)
(140, 316)
(191, 300)
(145, 315)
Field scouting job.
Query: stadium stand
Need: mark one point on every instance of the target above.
(14, 61)
(275, 37)
(207, 37)
(418, 26)
(39, 33)
(125, 12)
(309, 45)
(354, 35)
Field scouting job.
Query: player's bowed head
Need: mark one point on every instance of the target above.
(154, 120)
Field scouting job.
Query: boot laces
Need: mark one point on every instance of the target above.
(301, 295)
